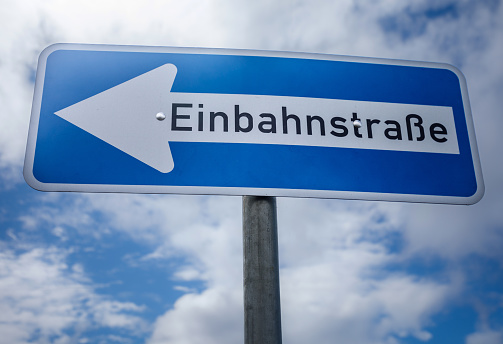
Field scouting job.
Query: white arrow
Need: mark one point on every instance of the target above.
(124, 116)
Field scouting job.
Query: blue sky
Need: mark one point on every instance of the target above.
(119, 268)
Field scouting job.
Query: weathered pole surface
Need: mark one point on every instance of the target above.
(262, 307)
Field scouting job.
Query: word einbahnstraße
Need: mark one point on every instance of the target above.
(333, 123)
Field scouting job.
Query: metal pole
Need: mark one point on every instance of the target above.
(261, 271)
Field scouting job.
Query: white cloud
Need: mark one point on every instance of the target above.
(485, 337)
(213, 317)
(206, 231)
(335, 283)
(41, 298)
(332, 303)
(185, 289)
(18, 55)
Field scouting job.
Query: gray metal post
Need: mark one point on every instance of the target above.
(261, 271)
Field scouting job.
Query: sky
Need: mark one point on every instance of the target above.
(126, 268)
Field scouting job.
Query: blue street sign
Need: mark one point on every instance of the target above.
(237, 122)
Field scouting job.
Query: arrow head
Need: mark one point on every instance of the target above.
(124, 116)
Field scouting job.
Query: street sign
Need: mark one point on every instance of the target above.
(236, 122)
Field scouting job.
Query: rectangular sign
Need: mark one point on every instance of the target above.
(238, 122)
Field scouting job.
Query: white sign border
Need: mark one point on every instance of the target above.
(239, 191)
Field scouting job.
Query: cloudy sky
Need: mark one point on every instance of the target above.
(109, 268)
